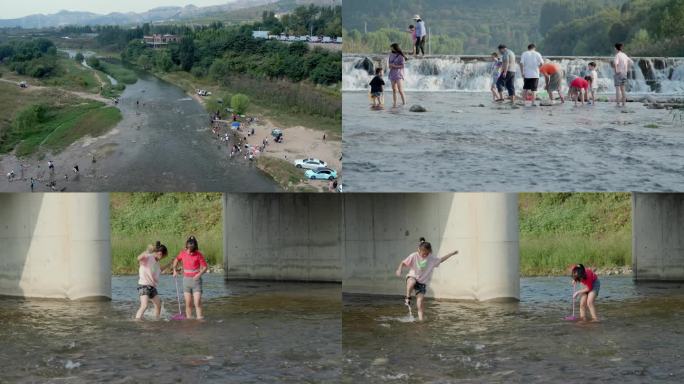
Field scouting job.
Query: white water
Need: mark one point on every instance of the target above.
(473, 74)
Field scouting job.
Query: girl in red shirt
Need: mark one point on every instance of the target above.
(588, 294)
(579, 89)
(194, 266)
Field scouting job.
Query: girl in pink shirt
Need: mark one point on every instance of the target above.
(149, 271)
(588, 294)
(420, 265)
(194, 266)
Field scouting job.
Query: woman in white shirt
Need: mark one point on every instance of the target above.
(621, 65)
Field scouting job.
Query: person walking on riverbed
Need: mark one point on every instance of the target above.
(194, 266)
(495, 70)
(530, 62)
(588, 294)
(396, 63)
(421, 35)
(420, 265)
(149, 271)
(621, 64)
(507, 78)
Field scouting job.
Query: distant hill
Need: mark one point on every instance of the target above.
(157, 15)
(478, 25)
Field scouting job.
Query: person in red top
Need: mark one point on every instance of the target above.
(579, 89)
(194, 266)
(588, 294)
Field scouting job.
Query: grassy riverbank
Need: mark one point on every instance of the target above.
(70, 75)
(139, 219)
(48, 119)
(116, 70)
(560, 229)
(260, 104)
(286, 174)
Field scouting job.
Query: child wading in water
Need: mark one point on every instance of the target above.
(591, 72)
(377, 89)
(149, 278)
(194, 266)
(592, 285)
(396, 62)
(420, 265)
(579, 90)
(496, 73)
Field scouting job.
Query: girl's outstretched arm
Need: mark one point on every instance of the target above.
(448, 255)
(141, 256)
(401, 265)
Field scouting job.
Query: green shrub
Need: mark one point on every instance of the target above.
(239, 103)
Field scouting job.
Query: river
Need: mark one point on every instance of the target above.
(254, 332)
(465, 142)
(163, 143)
(639, 340)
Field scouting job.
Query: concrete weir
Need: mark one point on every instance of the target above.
(658, 236)
(55, 245)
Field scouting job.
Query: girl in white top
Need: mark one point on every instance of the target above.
(420, 265)
(149, 272)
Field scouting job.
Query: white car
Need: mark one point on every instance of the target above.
(327, 39)
(338, 40)
(310, 163)
(292, 38)
(314, 39)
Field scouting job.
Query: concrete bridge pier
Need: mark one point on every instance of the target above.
(658, 236)
(281, 236)
(55, 245)
(382, 229)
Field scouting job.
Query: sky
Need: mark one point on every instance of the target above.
(13, 9)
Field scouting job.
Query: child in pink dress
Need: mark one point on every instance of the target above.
(149, 271)
(420, 265)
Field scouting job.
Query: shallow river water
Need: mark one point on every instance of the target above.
(465, 142)
(163, 143)
(254, 332)
(640, 338)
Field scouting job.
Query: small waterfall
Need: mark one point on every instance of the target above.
(473, 74)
